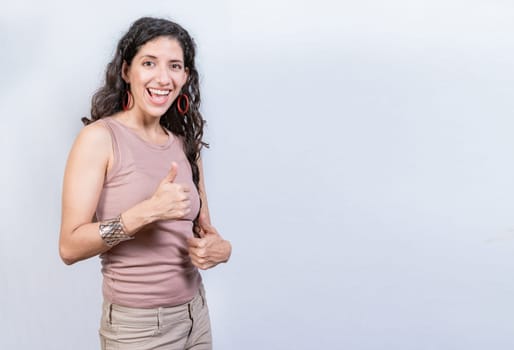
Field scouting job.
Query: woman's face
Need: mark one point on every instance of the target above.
(156, 75)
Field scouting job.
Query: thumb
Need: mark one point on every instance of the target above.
(172, 174)
(208, 229)
(193, 242)
(201, 232)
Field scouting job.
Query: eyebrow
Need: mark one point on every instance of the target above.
(155, 58)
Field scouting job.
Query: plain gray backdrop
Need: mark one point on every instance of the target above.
(361, 163)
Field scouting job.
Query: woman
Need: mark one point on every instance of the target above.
(134, 193)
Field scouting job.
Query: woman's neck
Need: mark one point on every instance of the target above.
(147, 127)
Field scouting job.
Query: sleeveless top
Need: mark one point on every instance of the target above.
(154, 269)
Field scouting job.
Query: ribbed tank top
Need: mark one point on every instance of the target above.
(154, 269)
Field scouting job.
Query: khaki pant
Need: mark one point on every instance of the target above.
(179, 327)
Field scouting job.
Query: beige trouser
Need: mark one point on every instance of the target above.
(179, 327)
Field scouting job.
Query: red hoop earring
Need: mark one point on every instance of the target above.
(182, 99)
(127, 101)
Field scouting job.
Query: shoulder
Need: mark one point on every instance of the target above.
(90, 154)
(93, 141)
(96, 133)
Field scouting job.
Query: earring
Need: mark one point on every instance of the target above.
(127, 101)
(182, 104)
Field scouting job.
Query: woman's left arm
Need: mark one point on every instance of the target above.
(210, 249)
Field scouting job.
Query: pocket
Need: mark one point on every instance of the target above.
(131, 335)
(105, 320)
(116, 331)
(201, 291)
(127, 337)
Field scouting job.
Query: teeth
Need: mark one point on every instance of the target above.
(159, 92)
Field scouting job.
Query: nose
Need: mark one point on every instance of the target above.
(163, 76)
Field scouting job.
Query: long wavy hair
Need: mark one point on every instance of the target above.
(108, 100)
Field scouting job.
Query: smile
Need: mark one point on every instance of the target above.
(158, 92)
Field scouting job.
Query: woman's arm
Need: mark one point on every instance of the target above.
(83, 180)
(210, 249)
(204, 218)
(88, 163)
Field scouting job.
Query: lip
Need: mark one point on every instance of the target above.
(158, 99)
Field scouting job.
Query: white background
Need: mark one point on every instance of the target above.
(361, 165)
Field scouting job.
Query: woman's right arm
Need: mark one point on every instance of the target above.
(83, 181)
(84, 177)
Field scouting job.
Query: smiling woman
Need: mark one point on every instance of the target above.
(156, 75)
(136, 170)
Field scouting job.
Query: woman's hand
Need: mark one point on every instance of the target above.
(171, 200)
(210, 249)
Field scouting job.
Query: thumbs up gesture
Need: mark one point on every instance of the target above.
(171, 200)
(210, 249)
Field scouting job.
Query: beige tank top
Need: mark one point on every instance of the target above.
(154, 269)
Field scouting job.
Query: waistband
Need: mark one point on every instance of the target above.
(118, 314)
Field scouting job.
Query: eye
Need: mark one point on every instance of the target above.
(176, 66)
(148, 64)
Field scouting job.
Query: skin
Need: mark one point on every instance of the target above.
(157, 65)
(211, 248)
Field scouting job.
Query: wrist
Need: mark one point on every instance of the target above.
(112, 231)
(137, 217)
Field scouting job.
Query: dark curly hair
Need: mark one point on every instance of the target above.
(108, 100)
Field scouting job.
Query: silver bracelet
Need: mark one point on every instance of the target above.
(113, 231)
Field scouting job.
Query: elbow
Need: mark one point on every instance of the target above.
(66, 256)
(68, 261)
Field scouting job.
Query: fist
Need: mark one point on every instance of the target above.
(209, 250)
(171, 200)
